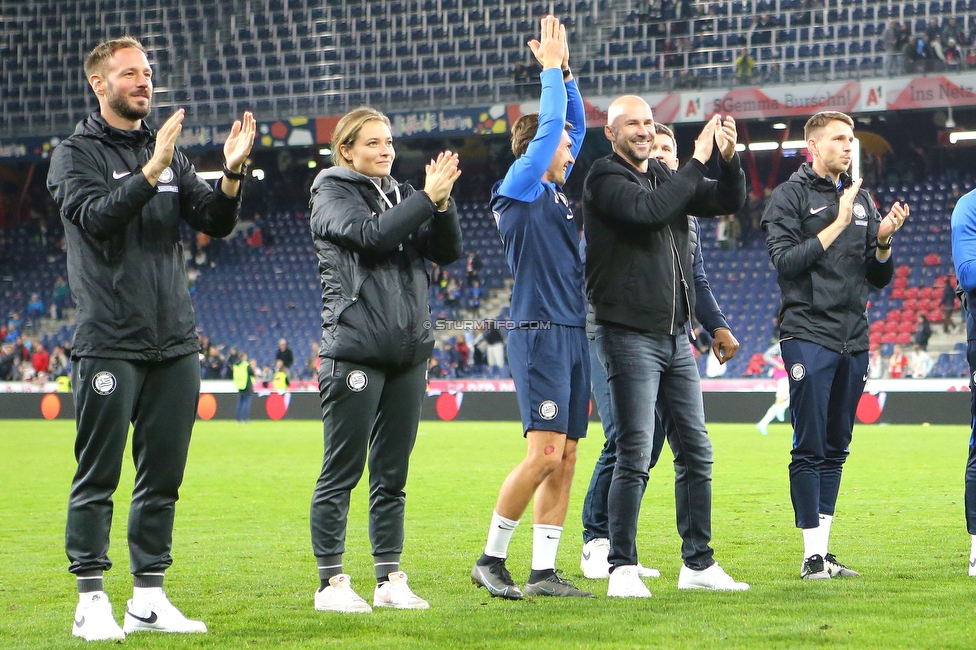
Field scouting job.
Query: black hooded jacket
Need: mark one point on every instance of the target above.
(825, 292)
(125, 256)
(639, 261)
(372, 269)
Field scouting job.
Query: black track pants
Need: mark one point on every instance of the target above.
(160, 400)
(368, 414)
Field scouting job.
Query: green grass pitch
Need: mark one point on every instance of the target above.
(243, 561)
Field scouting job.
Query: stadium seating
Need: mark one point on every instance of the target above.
(282, 58)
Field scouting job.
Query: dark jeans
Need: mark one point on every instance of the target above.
(595, 516)
(642, 366)
(160, 400)
(971, 463)
(244, 398)
(825, 388)
(369, 415)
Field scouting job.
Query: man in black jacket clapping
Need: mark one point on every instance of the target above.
(123, 191)
(639, 281)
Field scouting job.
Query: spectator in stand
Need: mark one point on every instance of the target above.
(938, 55)
(953, 31)
(463, 352)
(520, 76)
(40, 358)
(35, 309)
(923, 332)
(733, 231)
(284, 354)
(744, 66)
(8, 361)
(933, 29)
(13, 327)
(948, 305)
(313, 360)
(920, 364)
(213, 363)
(59, 298)
(59, 364)
(495, 347)
(893, 55)
(474, 297)
(722, 233)
(953, 57)
(473, 267)
(434, 369)
(897, 364)
(876, 365)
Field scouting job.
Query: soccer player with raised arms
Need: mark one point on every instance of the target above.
(548, 349)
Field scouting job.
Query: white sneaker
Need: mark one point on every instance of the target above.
(155, 613)
(762, 428)
(972, 567)
(647, 572)
(626, 583)
(593, 560)
(339, 597)
(713, 578)
(396, 593)
(94, 620)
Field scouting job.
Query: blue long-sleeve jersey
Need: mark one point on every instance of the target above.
(963, 222)
(536, 224)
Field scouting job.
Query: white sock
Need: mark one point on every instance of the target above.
(825, 521)
(499, 535)
(545, 544)
(142, 595)
(972, 552)
(781, 411)
(811, 542)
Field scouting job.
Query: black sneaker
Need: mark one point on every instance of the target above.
(814, 569)
(838, 570)
(496, 579)
(554, 585)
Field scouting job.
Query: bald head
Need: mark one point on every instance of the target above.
(630, 128)
(628, 105)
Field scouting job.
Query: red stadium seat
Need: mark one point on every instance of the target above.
(932, 259)
(889, 337)
(891, 326)
(903, 338)
(898, 292)
(935, 316)
(875, 339)
(901, 283)
(908, 315)
(877, 326)
(907, 326)
(894, 315)
(926, 292)
(902, 271)
(909, 304)
(911, 292)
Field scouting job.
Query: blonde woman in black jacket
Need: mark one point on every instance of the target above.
(372, 236)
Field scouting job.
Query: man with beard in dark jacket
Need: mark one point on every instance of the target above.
(830, 246)
(639, 281)
(123, 190)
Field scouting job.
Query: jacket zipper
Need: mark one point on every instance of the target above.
(674, 280)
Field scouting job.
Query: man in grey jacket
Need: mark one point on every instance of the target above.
(123, 190)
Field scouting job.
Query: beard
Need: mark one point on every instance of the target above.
(120, 105)
(626, 149)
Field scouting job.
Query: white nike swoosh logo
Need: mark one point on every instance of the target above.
(816, 210)
(118, 175)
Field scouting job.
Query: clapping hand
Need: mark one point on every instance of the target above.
(441, 174)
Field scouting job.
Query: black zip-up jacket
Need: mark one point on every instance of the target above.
(638, 258)
(372, 269)
(825, 292)
(125, 255)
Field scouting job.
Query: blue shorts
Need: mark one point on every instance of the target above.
(551, 369)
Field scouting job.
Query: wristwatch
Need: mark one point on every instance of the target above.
(235, 176)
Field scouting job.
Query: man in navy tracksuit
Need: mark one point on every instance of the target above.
(830, 246)
(547, 350)
(964, 256)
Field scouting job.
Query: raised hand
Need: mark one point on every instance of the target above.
(166, 138)
(892, 221)
(845, 208)
(705, 143)
(551, 48)
(239, 142)
(726, 137)
(441, 175)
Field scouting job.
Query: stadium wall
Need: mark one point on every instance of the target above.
(925, 401)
